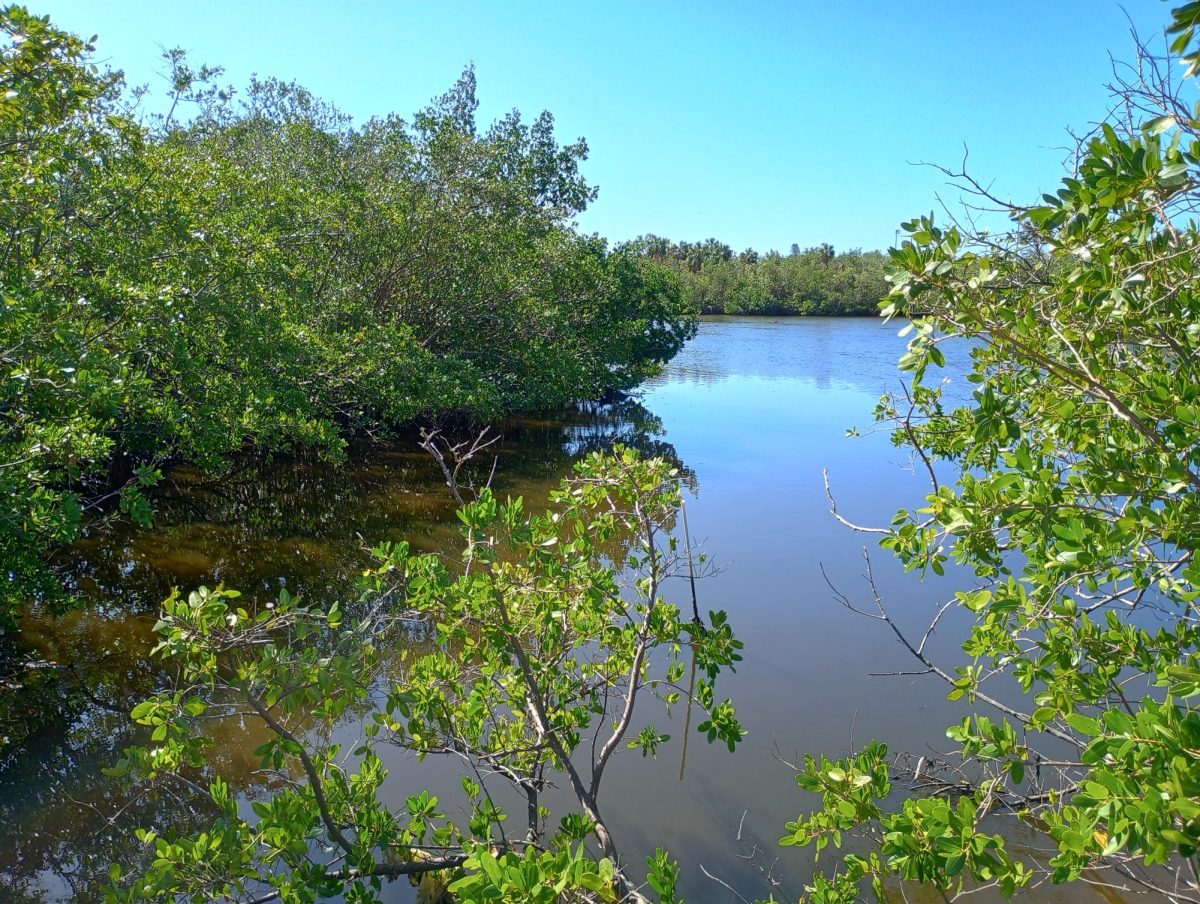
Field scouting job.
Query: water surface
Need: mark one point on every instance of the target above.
(755, 409)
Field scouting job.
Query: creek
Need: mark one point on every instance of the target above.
(754, 409)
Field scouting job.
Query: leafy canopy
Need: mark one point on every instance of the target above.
(252, 272)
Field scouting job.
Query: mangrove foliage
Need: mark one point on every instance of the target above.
(250, 270)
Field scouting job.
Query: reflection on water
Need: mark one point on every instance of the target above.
(69, 683)
(755, 407)
(765, 348)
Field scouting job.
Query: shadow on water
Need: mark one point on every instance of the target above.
(68, 683)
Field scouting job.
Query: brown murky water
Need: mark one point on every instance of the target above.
(753, 408)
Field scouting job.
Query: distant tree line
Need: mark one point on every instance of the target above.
(815, 280)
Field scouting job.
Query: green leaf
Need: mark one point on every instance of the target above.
(1158, 124)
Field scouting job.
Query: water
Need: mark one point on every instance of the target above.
(754, 409)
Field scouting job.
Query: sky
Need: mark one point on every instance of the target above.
(762, 123)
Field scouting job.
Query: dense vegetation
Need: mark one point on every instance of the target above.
(816, 281)
(267, 275)
(260, 273)
(1074, 500)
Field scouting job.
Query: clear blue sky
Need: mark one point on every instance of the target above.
(761, 123)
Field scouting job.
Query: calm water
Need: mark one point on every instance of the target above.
(754, 409)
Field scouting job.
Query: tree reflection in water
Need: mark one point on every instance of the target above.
(68, 683)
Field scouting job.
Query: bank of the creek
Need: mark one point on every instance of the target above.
(754, 409)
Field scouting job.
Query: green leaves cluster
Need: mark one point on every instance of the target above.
(537, 877)
(537, 651)
(253, 271)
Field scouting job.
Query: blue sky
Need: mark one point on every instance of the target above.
(761, 123)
